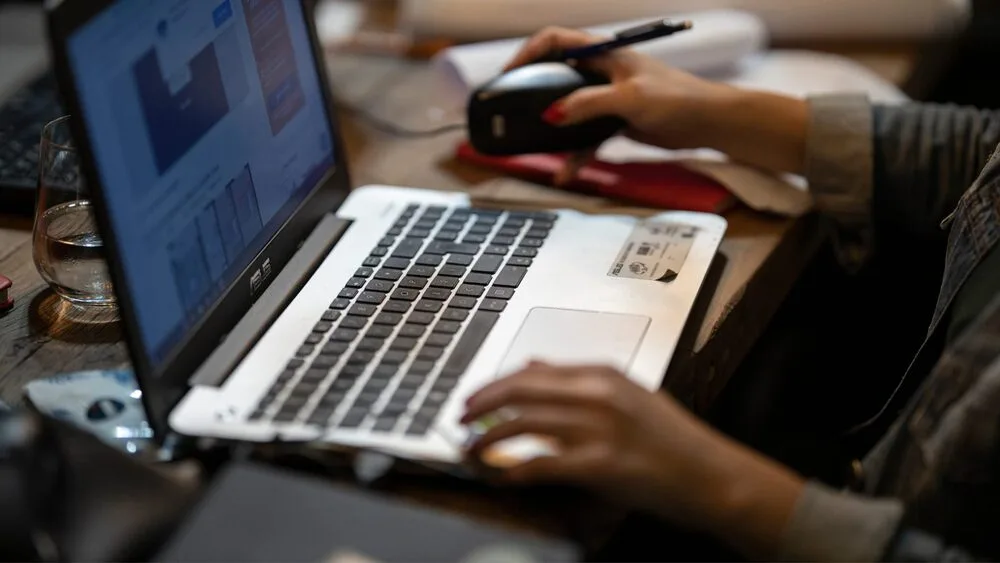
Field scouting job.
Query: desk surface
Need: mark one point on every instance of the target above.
(760, 259)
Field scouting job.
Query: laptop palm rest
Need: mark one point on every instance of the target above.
(566, 336)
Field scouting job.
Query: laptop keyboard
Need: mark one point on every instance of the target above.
(391, 348)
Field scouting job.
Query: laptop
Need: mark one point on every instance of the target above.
(263, 299)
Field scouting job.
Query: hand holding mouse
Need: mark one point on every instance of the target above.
(673, 109)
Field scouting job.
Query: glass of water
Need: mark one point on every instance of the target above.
(68, 249)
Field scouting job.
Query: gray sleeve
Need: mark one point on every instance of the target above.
(828, 525)
(876, 169)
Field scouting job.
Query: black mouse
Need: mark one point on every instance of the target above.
(505, 114)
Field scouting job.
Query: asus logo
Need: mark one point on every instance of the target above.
(259, 276)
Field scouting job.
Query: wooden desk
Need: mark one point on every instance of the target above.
(760, 259)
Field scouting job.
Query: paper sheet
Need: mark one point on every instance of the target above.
(477, 20)
(718, 42)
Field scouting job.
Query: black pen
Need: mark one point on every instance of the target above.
(624, 38)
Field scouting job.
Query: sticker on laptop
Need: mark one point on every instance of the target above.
(655, 250)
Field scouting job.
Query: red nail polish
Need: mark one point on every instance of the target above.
(554, 114)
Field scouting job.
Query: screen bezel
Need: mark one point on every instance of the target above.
(164, 386)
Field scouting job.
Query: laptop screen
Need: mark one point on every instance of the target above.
(208, 127)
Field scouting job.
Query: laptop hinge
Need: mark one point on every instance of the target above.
(271, 303)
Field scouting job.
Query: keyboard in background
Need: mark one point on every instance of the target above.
(22, 117)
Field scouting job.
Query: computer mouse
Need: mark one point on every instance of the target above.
(505, 114)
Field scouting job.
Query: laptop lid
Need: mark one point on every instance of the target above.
(206, 133)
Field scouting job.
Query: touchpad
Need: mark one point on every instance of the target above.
(565, 336)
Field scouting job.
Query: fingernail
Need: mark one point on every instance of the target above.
(555, 114)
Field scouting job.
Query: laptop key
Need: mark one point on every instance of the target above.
(474, 239)
(342, 385)
(470, 342)
(372, 261)
(366, 399)
(456, 314)
(412, 381)
(421, 272)
(320, 416)
(403, 343)
(453, 270)
(354, 418)
(340, 303)
(395, 356)
(439, 339)
(502, 241)
(344, 335)
(304, 351)
(421, 367)
(361, 357)
(531, 243)
(385, 423)
(509, 231)
(388, 319)
(430, 353)
(418, 428)
(364, 273)
(314, 338)
(335, 348)
(379, 332)
(497, 250)
(420, 318)
(469, 290)
(526, 252)
(387, 241)
(380, 251)
(459, 260)
(371, 297)
(428, 306)
(397, 263)
(445, 282)
(500, 293)
(537, 233)
(436, 398)
(396, 306)
(519, 261)
(514, 222)
(356, 283)
(447, 327)
(446, 236)
(380, 286)
(383, 372)
(419, 233)
(462, 303)
(405, 294)
(324, 361)
(480, 229)
(510, 276)
(437, 294)
(408, 248)
(412, 331)
(429, 259)
(388, 274)
(412, 283)
(495, 305)
(354, 322)
(488, 264)
(394, 408)
(294, 364)
(371, 344)
(478, 279)
(322, 327)
(331, 315)
(362, 310)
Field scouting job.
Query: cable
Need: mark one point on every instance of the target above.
(387, 126)
(385, 83)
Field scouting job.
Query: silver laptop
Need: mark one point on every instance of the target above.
(265, 300)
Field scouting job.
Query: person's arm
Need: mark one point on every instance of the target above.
(903, 166)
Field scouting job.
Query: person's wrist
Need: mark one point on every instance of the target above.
(752, 499)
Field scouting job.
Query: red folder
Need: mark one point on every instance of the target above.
(663, 185)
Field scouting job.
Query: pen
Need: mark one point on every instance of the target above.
(624, 38)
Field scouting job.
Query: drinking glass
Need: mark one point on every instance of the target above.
(68, 249)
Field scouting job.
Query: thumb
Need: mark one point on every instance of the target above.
(585, 104)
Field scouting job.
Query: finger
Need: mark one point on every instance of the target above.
(549, 385)
(566, 424)
(572, 167)
(575, 465)
(549, 40)
(586, 104)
